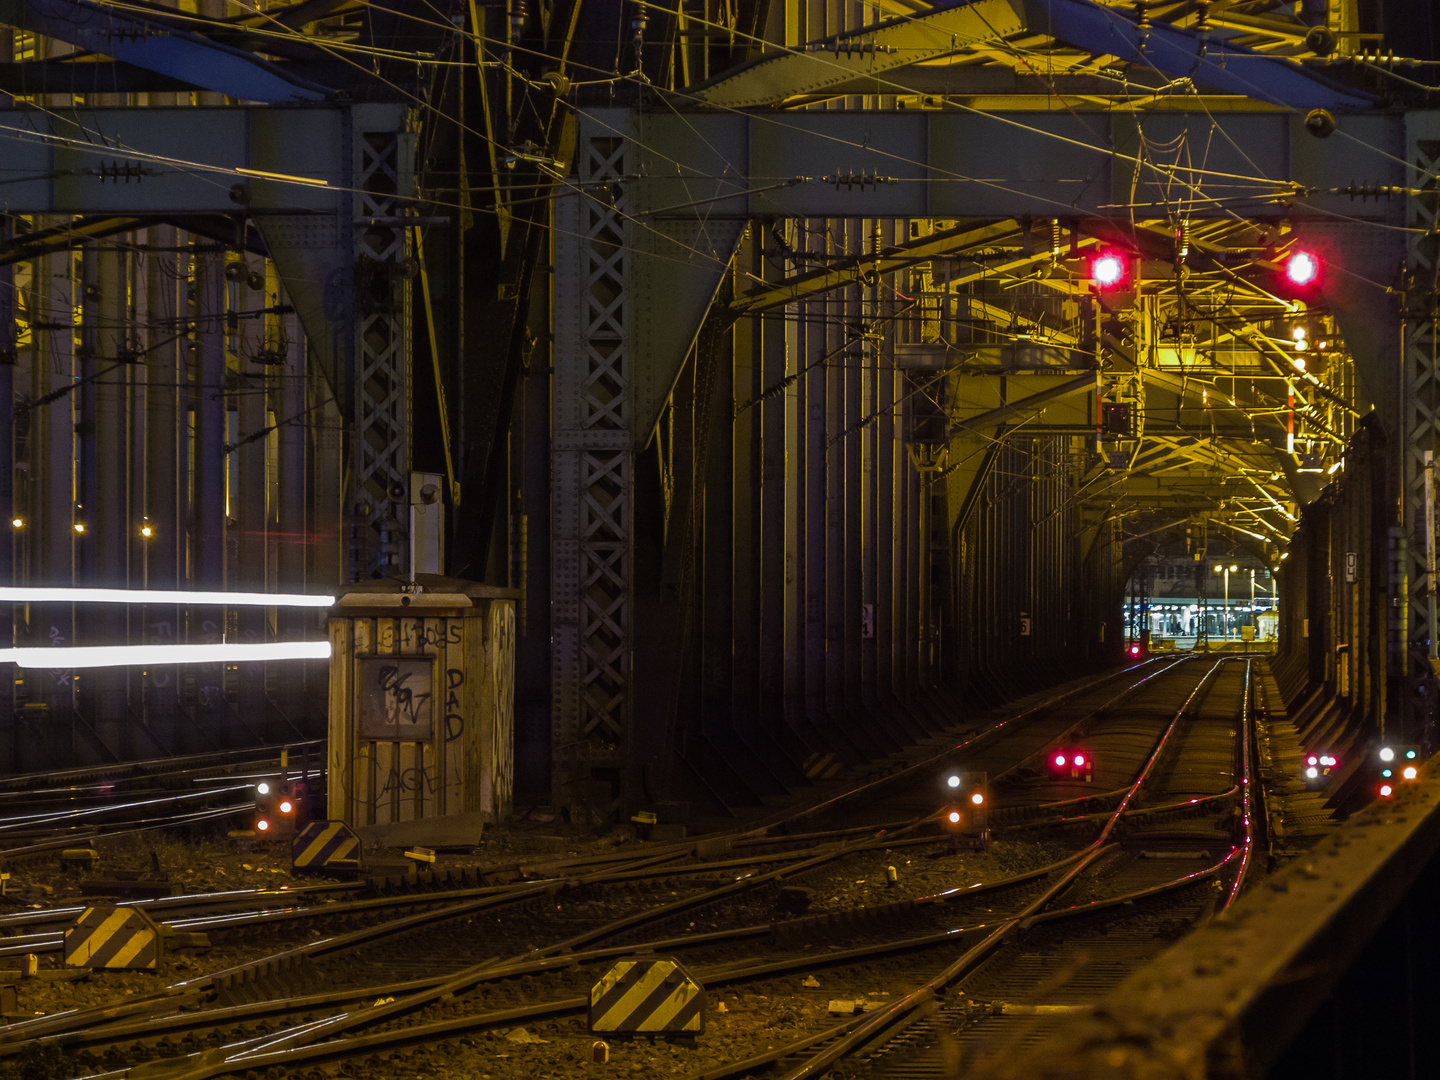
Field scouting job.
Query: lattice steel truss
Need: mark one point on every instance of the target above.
(592, 473)
(1420, 407)
(381, 444)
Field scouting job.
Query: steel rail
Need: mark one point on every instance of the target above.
(1045, 750)
(218, 757)
(211, 1063)
(1247, 802)
(900, 1010)
(1126, 799)
(872, 786)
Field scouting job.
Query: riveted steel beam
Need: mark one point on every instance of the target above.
(153, 45)
(871, 50)
(965, 165)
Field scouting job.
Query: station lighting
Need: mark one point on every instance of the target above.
(18, 523)
(79, 526)
(146, 531)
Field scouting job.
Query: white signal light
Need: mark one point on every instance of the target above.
(1386, 754)
(1312, 772)
(953, 781)
(263, 788)
(977, 798)
(1409, 772)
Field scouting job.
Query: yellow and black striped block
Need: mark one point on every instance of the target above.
(114, 938)
(326, 847)
(649, 995)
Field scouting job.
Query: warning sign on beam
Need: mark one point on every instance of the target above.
(113, 938)
(649, 995)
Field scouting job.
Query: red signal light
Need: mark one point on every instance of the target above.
(1386, 791)
(1079, 759)
(1134, 650)
(1060, 761)
(1108, 270)
(1302, 269)
(262, 825)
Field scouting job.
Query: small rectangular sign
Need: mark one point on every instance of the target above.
(1352, 563)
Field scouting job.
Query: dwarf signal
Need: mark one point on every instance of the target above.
(1070, 764)
(965, 813)
(279, 806)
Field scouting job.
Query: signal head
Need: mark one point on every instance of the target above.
(1302, 269)
(1108, 270)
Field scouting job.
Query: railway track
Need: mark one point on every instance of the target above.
(526, 952)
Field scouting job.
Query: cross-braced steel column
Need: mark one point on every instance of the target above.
(381, 451)
(593, 465)
(1420, 427)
